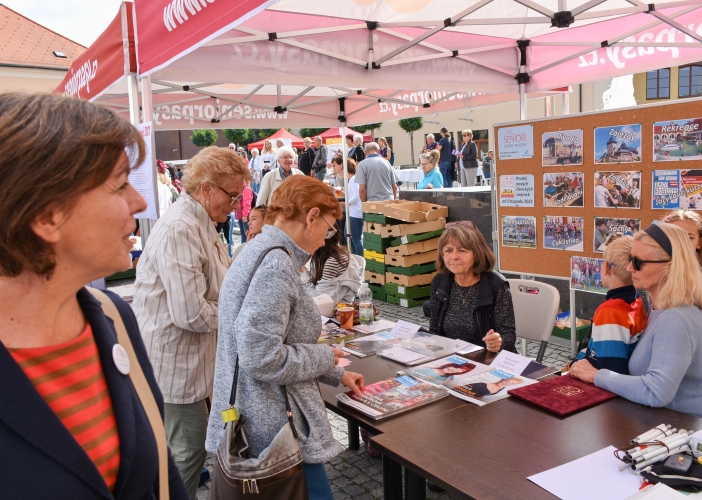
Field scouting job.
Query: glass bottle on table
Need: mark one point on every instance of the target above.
(365, 305)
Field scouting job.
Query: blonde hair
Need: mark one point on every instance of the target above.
(677, 215)
(616, 255)
(432, 156)
(163, 178)
(270, 149)
(213, 165)
(383, 140)
(681, 285)
(468, 132)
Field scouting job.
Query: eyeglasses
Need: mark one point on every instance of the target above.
(465, 223)
(637, 263)
(331, 231)
(235, 199)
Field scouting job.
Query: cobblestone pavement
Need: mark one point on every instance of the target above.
(355, 474)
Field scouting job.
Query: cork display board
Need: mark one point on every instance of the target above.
(597, 165)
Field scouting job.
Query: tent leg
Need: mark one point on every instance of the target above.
(565, 104)
(145, 225)
(522, 102)
(133, 88)
(346, 187)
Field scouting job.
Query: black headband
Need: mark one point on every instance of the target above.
(660, 237)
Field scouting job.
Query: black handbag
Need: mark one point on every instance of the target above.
(277, 473)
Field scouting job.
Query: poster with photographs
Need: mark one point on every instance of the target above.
(518, 231)
(563, 233)
(517, 190)
(564, 189)
(618, 189)
(674, 189)
(618, 144)
(586, 274)
(606, 228)
(677, 140)
(562, 148)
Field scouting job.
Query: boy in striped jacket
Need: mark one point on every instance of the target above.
(621, 318)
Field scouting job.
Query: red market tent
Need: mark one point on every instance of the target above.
(280, 134)
(336, 132)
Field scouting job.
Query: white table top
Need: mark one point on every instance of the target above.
(410, 175)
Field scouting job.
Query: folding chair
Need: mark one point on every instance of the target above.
(535, 309)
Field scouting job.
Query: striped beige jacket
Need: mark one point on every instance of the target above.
(175, 300)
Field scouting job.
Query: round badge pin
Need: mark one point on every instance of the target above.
(121, 359)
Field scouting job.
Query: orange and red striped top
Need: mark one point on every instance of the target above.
(69, 377)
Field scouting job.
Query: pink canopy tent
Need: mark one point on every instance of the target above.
(336, 132)
(280, 134)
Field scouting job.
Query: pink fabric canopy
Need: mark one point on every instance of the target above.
(280, 134)
(335, 132)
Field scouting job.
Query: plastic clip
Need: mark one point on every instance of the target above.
(230, 415)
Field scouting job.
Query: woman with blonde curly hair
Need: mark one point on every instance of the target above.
(690, 222)
(665, 368)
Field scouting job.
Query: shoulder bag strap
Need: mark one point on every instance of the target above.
(143, 390)
(232, 396)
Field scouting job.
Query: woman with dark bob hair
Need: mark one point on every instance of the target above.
(269, 330)
(470, 301)
(69, 408)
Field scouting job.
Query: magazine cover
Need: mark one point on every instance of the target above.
(393, 396)
(618, 144)
(564, 189)
(487, 387)
(677, 140)
(586, 274)
(424, 343)
(677, 189)
(563, 233)
(519, 231)
(618, 189)
(562, 148)
(606, 228)
(451, 369)
(372, 343)
(333, 331)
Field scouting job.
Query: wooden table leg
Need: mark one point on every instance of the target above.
(392, 479)
(415, 486)
(354, 437)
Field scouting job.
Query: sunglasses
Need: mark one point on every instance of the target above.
(235, 199)
(637, 263)
(331, 231)
(465, 223)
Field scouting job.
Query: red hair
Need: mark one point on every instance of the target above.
(297, 195)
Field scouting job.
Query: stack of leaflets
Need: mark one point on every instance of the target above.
(372, 344)
(393, 396)
(469, 380)
(330, 331)
(420, 348)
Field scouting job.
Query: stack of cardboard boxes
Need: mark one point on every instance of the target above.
(400, 242)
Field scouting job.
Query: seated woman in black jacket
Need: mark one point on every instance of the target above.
(469, 301)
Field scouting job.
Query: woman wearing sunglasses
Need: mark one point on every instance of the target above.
(176, 296)
(665, 368)
(270, 327)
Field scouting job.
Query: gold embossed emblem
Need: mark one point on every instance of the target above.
(568, 390)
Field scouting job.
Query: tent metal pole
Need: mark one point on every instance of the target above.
(346, 186)
(565, 104)
(522, 102)
(133, 88)
(145, 225)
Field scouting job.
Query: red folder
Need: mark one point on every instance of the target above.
(562, 395)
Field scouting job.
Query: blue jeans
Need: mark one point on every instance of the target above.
(445, 169)
(318, 487)
(243, 227)
(356, 233)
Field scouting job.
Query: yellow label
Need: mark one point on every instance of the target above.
(230, 415)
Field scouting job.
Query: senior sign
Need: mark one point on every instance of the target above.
(516, 142)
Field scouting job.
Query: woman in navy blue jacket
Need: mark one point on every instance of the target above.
(71, 423)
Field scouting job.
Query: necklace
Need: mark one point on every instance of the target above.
(464, 297)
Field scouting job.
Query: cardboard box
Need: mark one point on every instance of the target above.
(403, 229)
(413, 248)
(420, 279)
(411, 260)
(374, 278)
(383, 207)
(374, 227)
(371, 255)
(413, 211)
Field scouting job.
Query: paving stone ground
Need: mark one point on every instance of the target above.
(355, 474)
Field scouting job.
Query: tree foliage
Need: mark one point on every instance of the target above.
(410, 125)
(265, 133)
(368, 128)
(203, 138)
(239, 136)
(311, 132)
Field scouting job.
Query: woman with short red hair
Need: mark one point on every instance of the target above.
(270, 327)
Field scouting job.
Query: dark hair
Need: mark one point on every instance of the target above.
(331, 248)
(350, 163)
(444, 129)
(469, 238)
(53, 149)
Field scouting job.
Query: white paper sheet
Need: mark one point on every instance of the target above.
(404, 329)
(402, 355)
(604, 480)
(377, 326)
(463, 347)
(511, 362)
(658, 492)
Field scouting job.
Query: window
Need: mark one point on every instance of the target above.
(690, 81)
(658, 84)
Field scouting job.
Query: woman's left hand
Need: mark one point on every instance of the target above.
(584, 371)
(493, 341)
(430, 186)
